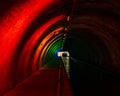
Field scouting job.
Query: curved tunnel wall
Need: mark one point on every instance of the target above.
(95, 41)
(100, 19)
(23, 27)
(94, 31)
(50, 45)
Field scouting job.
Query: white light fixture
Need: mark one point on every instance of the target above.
(63, 54)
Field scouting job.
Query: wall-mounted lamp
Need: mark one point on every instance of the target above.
(63, 54)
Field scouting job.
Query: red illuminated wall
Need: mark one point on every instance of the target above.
(18, 37)
(24, 23)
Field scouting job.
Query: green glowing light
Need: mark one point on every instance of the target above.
(50, 57)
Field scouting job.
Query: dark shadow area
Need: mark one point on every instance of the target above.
(88, 79)
(91, 70)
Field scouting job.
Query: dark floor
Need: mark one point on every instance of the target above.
(89, 80)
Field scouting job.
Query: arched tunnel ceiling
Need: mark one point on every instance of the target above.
(92, 34)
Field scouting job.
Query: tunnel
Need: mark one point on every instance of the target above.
(33, 32)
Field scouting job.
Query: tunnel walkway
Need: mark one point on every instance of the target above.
(46, 82)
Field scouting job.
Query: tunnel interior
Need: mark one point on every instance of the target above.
(32, 32)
